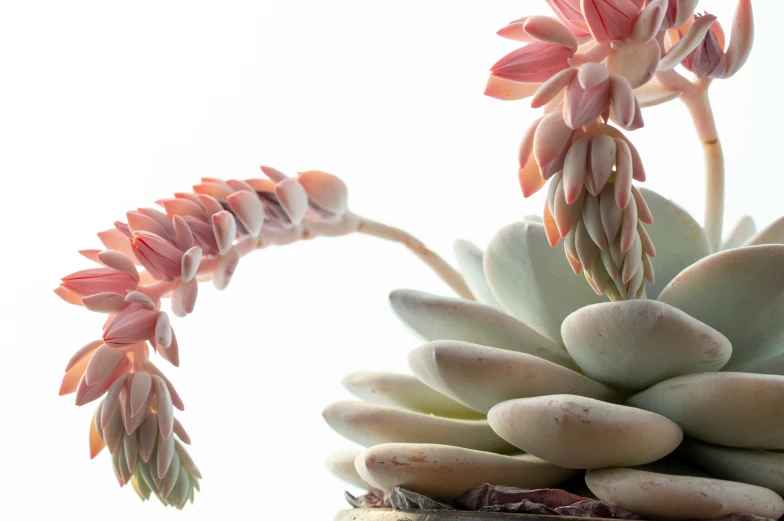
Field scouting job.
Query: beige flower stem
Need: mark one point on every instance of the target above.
(695, 97)
(442, 268)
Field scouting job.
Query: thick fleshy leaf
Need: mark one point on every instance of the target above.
(532, 280)
(663, 496)
(680, 241)
(749, 404)
(404, 391)
(341, 464)
(445, 318)
(633, 344)
(480, 376)
(443, 473)
(771, 234)
(470, 260)
(755, 467)
(743, 230)
(739, 292)
(583, 433)
(369, 424)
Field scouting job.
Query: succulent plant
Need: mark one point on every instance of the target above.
(657, 380)
(666, 399)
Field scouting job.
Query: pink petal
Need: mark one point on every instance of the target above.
(165, 455)
(741, 38)
(183, 207)
(179, 430)
(534, 63)
(623, 174)
(547, 30)
(574, 170)
(68, 296)
(161, 218)
(248, 209)
(184, 298)
(137, 297)
(175, 397)
(225, 229)
(628, 227)
(552, 87)
(582, 106)
(592, 75)
(609, 20)
(148, 433)
(140, 222)
(119, 262)
(530, 178)
(96, 441)
(649, 22)
(83, 353)
(225, 270)
(103, 361)
(111, 400)
(87, 393)
(508, 90)
(183, 237)
(140, 391)
(238, 186)
(114, 240)
(293, 198)
(551, 142)
(172, 353)
(210, 204)
(687, 44)
(325, 190)
(189, 265)
(130, 447)
(163, 331)
(622, 102)
(106, 302)
(215, 190)
(163, 405)
(603, 156)
(73, 376)
(273, 173)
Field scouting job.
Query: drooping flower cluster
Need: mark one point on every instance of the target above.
(200, 236)
(598, 63)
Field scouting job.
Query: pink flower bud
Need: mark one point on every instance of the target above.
(99, 280)
(160, 257)
(570, 14)
(534, 63)
(610, 20)
(134, 324)
(708, 58)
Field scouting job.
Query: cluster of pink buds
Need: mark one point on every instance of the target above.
(156, 254)
(601, 61)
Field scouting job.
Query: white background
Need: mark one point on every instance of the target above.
(108, 106)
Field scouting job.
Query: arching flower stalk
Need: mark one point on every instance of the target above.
(599, 63)
(199, 236)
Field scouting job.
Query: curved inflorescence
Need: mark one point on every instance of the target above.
(601, 61)
(154, 255)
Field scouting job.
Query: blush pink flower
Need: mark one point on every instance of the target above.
(160, 257)
(708, 60)
(136, 323)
